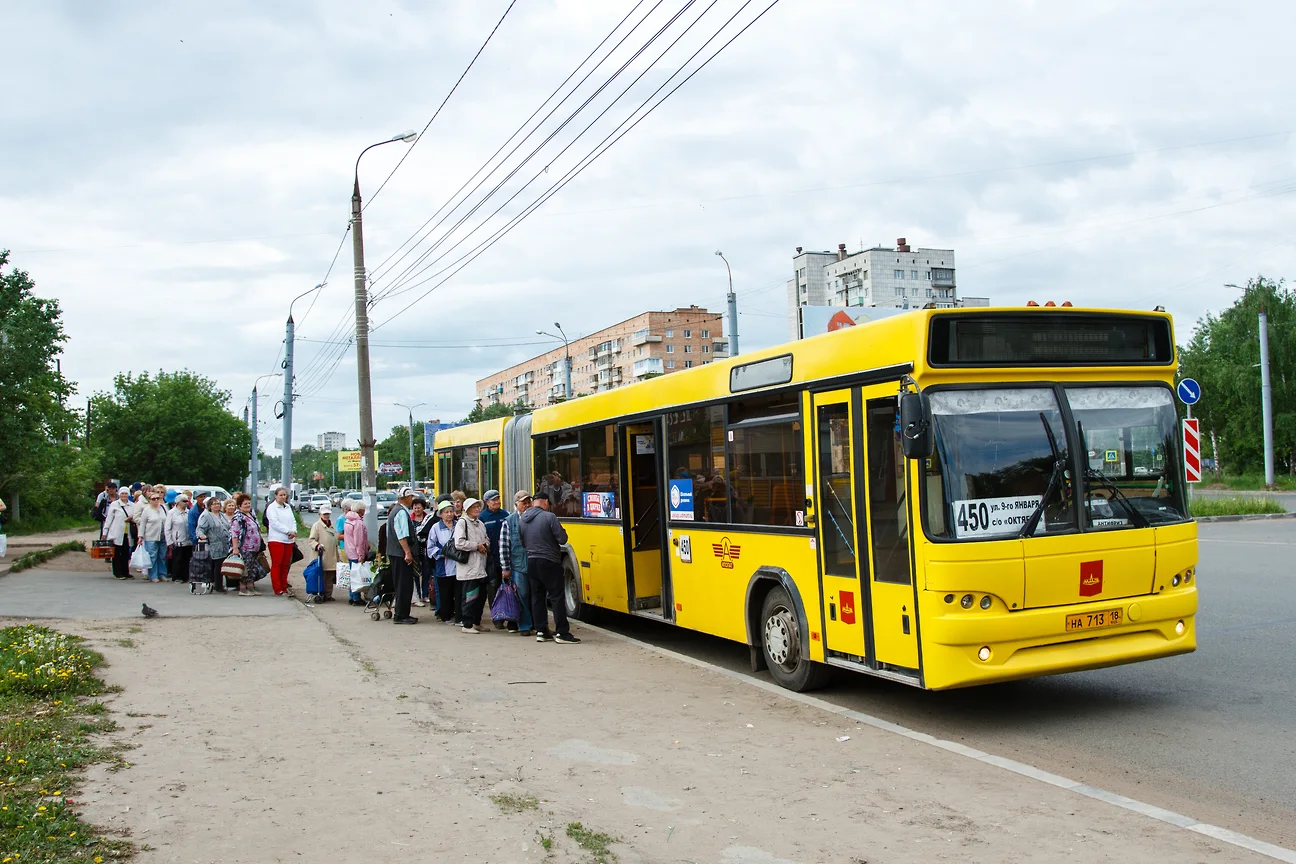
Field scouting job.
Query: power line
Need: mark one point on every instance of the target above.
(605, 145)
(410, 149)
(329, 272)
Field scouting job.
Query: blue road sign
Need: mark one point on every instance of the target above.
(1189, 391)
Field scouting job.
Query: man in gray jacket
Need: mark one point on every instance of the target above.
(543, 537)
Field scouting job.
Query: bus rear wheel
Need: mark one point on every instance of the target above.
(781, 642)
(571, 597)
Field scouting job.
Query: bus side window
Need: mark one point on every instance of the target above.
(936, 503)
(886, 492)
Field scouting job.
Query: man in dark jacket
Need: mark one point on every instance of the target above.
(493, 517)
(543, 537)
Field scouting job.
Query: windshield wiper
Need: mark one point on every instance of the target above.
(1105, 482)
(1055, 480)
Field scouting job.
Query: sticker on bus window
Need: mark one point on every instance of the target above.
(599, 505)
(800, 518)
(987, 517)
(681, 500)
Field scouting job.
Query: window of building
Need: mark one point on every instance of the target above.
(696, 451)
(766, 473)
(670, 364)
(598, 473)
(706, 349)
(688, 364)
(928, 275)
(706, 334)
(913, 274)
(899, 274)
(670, 349)
(899, 291)
(688, 349)
(688, 334)
(670, 334)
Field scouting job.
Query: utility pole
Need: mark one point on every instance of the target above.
(1266, 398)
(289, 335)
(732, 299)
(567, 367)
(368, 469)
(252, 471)
(410, 409)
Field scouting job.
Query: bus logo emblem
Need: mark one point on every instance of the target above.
(1091, 578)
(726, 552)
(848, 607)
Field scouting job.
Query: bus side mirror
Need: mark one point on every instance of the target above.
(915, 427)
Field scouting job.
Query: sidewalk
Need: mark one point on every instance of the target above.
(318, 734)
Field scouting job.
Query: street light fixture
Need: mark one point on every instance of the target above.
(368, 470)
(567, 387)
(1266, 390)
(410, 409)
(733, 307)
(286, 452)
(252, 461)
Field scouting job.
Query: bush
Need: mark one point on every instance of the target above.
(40, 661)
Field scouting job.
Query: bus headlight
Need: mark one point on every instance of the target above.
(1179, 628)
(985, 602)
(966, 602)
(984, 653)
(1174, 582)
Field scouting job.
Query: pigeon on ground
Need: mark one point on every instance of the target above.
(149, 611)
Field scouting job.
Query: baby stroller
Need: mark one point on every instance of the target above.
(382, 591)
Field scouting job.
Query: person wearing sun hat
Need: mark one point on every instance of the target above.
(470, 536)
(513, 560)
(440, 535)
(400, 552)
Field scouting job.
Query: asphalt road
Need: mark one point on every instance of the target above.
(1211, 734)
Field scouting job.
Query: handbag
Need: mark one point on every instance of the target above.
(200, 567)
(453, 552)
(297, 554)
(506, 606)
(140, 559)
(233, 568)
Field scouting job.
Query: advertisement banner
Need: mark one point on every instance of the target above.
(389, 468)
(815, 320)
(681, 500)
(348, 460)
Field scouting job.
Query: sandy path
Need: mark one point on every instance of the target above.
(324, 736)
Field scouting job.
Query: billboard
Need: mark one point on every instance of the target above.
(429, 431)
(348, 460)
(814, 320)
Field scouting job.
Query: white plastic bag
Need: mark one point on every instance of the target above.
(4, 545)
(361, 576)
(140, 561)
(343, 575)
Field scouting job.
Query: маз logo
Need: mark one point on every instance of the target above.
(726, 552)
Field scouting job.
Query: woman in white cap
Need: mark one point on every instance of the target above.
(176, 532)
(324, 540)
(470, 536)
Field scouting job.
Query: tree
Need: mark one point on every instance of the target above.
(1223, 356)
(172, 428)
(38, 464)
(496, 410)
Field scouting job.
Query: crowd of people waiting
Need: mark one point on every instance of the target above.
(462, 556)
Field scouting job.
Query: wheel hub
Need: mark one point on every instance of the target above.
(781, 642)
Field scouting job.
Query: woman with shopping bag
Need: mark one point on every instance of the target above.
(243, 563)
(212, 530)
(355, 538)
(117, 529)
(324, 540)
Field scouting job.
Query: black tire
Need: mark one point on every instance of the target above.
(577, 608)
(780, 635)
(374, 615)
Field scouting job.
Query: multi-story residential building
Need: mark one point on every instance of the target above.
(903, 277)
(331, 440)
(652, 343)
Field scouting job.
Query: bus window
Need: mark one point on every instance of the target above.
(445, 472)
(559, 458)
(888, 522)
(765, 461)
(997, 460)
(1130, 439)
(489, 468)
(598, 473)
(465, 476)
(696, 449)
(836, 493)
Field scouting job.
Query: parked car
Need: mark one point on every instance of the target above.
(385, 500)
(318, 500)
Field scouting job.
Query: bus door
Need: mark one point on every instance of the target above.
(841, 538)
(890, 573)
(647, 576)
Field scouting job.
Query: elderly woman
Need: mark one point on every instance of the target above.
(324, 540)
(420, 523)
(117, 529)
(440, 534)
(152, 521)
(176, 533)
(470, 536)
(245, 537)
(213, 529)
(355, 540)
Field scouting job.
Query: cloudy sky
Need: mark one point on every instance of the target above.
(176, 173)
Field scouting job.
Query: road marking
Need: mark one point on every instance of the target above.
(1179, 820)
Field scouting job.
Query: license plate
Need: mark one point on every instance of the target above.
(1095, 620)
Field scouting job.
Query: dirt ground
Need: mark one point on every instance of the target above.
(324, 736)
(19, 546)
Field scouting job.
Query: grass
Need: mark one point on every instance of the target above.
(126, 643)
(1234, 505)
(47, 721)
(31, 559)
(42, 525)
(594, 842)
(1247, 482)
(509, 803)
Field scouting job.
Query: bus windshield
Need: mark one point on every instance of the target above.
(1130, 441)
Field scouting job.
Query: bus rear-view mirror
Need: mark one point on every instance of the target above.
(915, 429)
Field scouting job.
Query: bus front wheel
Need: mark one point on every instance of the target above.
(781, 642)
(571, 597)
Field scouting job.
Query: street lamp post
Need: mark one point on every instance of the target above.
(368, 470)
(733, 308)
(254, 462)
(567, 390)
(286, 452)
(410, 409)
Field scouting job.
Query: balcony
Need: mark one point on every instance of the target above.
(649, 366)
(942, 277)
(643, 337)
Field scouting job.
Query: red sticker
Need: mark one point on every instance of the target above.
(848, 607)
(1091, 578)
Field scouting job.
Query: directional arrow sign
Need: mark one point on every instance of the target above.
(1189, 391)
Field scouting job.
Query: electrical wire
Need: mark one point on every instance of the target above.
(436, 113)
(327, 273)
(599, 149)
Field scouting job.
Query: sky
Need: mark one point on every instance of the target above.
(175, 174)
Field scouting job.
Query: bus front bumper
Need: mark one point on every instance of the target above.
(1035, 642)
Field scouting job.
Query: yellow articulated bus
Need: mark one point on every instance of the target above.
(941, 497)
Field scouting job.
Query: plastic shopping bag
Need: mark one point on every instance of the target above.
(140, 560)
(4, 545)
(361, 575)
(506, 606)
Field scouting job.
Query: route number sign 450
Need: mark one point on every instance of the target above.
(986, 517)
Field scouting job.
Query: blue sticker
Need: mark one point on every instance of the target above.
(681, 500)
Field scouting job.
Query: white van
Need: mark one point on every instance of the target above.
(219, 492)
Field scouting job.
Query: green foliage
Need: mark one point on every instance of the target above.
(172, 428)
(40, 556)
(38, 660)
(1222, 356)
(50, 478)
(594, 842)
(1253, 480)
(496, 411)
(1234, 505)
(511, 803)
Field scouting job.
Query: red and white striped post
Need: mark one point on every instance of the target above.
(1192, 450)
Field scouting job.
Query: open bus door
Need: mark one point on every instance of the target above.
(647, 568)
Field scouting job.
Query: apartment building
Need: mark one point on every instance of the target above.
(331, 441)
(651, 343)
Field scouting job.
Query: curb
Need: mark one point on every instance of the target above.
(1250, 517)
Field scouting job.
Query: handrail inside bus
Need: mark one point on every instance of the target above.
(648, 512)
